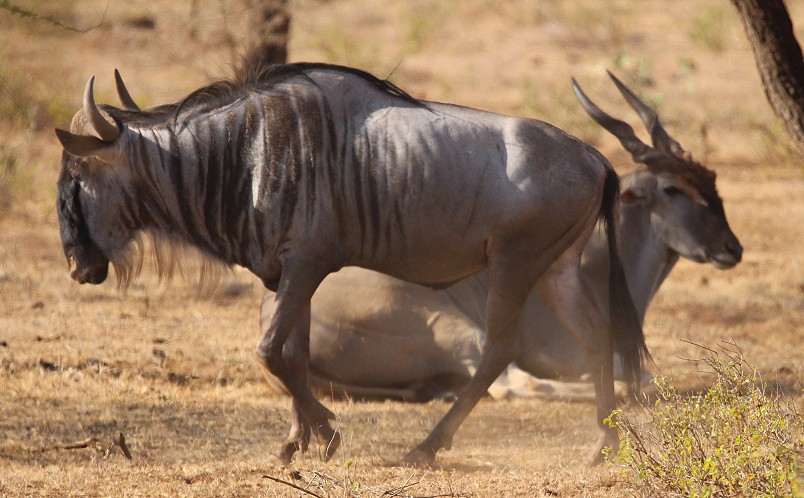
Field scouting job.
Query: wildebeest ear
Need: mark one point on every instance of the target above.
(633, 195)
(83, 146)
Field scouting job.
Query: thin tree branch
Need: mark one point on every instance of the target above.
(29, 14)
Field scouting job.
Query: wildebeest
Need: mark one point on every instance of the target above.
(373, 336)
(296, 171)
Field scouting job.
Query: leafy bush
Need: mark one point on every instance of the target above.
(734, 439)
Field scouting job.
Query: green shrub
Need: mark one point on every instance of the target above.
(775, 144)
(637, 71)
(707, 29)
(734, 439)
(418, 26)
(8, 168)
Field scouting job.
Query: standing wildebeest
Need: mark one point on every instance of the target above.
(373, 336)
(297, 171)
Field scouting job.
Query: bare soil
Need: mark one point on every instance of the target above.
(175, 373)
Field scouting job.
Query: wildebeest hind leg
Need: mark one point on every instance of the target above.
(508, 291)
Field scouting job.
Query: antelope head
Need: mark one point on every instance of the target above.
(686, 206)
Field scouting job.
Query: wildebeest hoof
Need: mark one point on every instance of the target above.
(422, 455)
(286, 452)
(609, 443)
(331, 445)
(597, 458)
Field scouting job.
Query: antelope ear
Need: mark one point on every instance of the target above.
(634, 195)
(83, 146)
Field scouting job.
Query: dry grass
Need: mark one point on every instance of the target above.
(176, 374)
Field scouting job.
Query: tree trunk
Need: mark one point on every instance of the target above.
(778, 57)
(268, 32)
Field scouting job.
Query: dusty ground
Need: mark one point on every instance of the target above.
(176, 374)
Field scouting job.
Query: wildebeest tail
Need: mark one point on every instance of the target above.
(624, 322)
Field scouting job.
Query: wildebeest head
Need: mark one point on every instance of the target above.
(89, 195)
(684, 202)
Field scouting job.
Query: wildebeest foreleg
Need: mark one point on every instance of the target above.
(284, 351)
(297, 355)
(299, 436)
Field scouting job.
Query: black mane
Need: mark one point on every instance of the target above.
(267, 75)
(270, 74)
(247, 78)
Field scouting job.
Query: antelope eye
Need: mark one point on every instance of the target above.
(672, 191)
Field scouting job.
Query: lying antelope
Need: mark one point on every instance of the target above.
(296, 171)
(373, 336)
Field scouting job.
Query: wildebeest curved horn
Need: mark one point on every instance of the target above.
(122, 93)
(639, 150)
(103, 129)
(659, 136)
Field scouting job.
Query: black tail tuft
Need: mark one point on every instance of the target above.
(625, 325)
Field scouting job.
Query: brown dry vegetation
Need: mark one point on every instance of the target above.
(176, 373)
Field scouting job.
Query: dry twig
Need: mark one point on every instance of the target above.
(121, 442)
(286, 483)
(84, 443)
(30, 14)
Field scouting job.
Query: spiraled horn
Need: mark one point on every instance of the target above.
(660, 138)
(122, 93)
(640, 151)
(101, 128)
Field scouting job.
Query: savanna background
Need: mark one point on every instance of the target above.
(175, 372)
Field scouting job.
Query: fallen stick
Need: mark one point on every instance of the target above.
(286, 483)
(77, 445)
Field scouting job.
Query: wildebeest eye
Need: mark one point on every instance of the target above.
(672, 191)
(75, 170)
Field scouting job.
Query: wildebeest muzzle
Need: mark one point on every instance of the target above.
(86, 262)
(87, 265)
